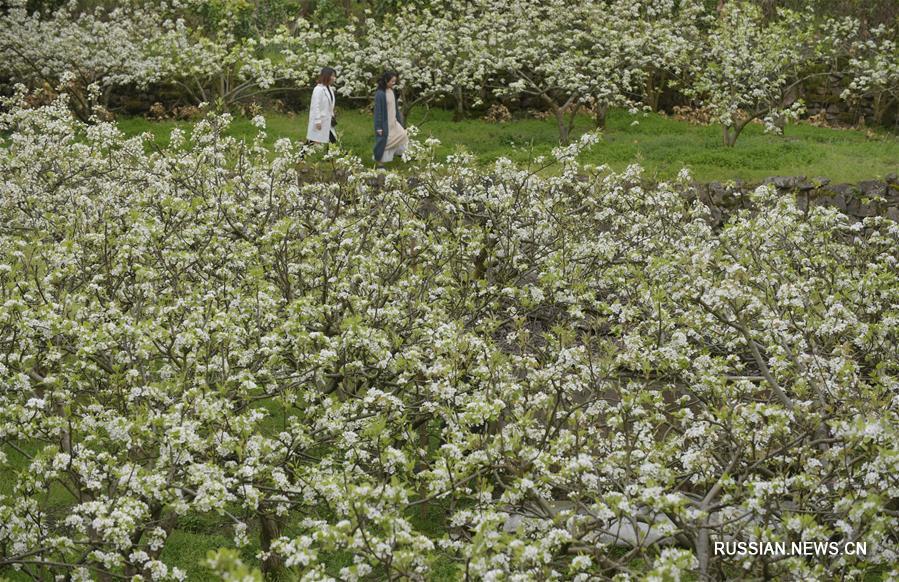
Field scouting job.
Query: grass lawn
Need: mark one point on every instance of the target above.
(661, 145)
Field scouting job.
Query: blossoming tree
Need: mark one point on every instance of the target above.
(874, 71)
(748, 67)
(106, 49)
(437, 51)
(545, 50)
(576, 375)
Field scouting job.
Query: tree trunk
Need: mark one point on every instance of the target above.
(654, 89)
(563, 126)
(270, 531)
(572, 116)
(879, 108)
(733, 132)
(599, 115)
(220, 100)
(702, 551)
(559, 112)
(459, 114)
(406, 106)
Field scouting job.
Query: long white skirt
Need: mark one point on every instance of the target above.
(394, 151)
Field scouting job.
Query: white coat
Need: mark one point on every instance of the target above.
(321, 110)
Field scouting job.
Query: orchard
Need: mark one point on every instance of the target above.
(450, 370)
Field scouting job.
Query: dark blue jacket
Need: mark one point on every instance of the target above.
(381, 121)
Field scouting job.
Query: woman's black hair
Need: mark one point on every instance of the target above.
(324, 78)
(382, 82)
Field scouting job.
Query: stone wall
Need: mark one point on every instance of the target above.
(823, 101)
(868, 198)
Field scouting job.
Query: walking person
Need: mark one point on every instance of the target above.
(390, 135)
(321, 109)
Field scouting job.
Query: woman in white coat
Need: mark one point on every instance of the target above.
(321, 109)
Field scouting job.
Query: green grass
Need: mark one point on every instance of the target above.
(187, 550)
(661, 145)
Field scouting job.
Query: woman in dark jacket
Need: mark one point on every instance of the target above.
(390, 135)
